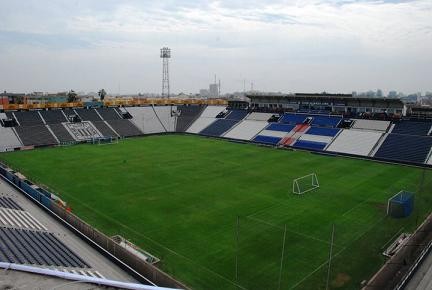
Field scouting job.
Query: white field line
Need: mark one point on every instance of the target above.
(160, 245)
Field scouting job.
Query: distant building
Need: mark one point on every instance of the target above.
(392, 94)
(335, 103)
(213, 90)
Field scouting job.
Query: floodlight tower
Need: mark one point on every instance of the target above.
(165, 54)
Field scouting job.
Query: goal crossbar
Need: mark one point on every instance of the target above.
(314, 184)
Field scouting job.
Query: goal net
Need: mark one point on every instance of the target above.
(105, 140)
(305, 183)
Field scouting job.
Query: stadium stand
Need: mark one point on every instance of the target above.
(293, 118)
(259, 116)
(273, 133)
(36, 135)
(208, 116)
(108, 114)
(326, 121)
(88, 115)
(370, 125)
(331, 132)
(8, 139)
(357, 142)
(53, 116)
(37, 248)
(28, 118)
(280, 127)
(295, 134)
(188, 115)
(316, 138)
(221, 126)
(145, 119)
(7, 202)
(82, 130)
(412, 128)
(19, 218)
(267, 140)
(246, 130)
(61, 133)
(104, 129)
(237, 115)
(408, 148)
(124, 128)
(166, 115)
(306, 144)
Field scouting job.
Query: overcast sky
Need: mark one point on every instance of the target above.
(288, 46)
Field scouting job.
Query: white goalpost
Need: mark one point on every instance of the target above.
(305, 183)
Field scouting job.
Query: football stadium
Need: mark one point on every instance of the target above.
(210, 194)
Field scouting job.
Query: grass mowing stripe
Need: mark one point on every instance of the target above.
(178, 197)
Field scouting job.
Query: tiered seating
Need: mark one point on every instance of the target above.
(166, 117)
(405, 148)
(371, 125)
(88, 114)
(145, 119)
(19, 219)
(108, 113)
(53, 116)
(274, 133)
(61, 133)
(37, 248)
(295, 134)
(412, 128)
(104, 129)
(357, 142)
(188, 115)
(35, 135)
(28, 118)
(246, 130)
(83, 130)
(259, 116)
(331, 132)
(236, 115)
(219, 127)
(8, 139)
(306, 144)
(208, 116)
(7, 202)
(293, 118)
(267, 140)
(124, 128)
(316, 138)
(326, 121)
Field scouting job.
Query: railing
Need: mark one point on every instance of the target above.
(118, 102)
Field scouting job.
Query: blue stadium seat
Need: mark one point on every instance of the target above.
(408, 148)
(293, 118)
(219, 127)
(322, 131)
(280, 127)
(236, 115)
(310, 145)
(412, 128)
(267, 139)
(326, 121)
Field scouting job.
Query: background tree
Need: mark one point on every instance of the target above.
(102, 94)
(72, 96)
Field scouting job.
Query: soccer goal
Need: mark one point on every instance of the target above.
(305, 183)
(105, 140)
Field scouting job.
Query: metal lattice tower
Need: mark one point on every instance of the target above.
(165, 54)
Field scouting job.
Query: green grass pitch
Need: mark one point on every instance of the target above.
(178, 197)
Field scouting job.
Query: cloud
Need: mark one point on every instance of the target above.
(236, 39)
